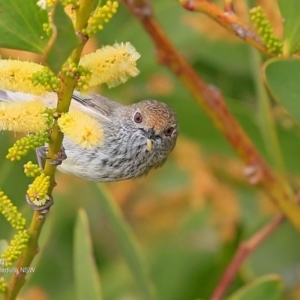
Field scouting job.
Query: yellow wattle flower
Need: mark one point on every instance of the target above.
(15, 249)
(23, 116)
(16, 75)
(81, 129)
(37, 191)
(101, 15)
(3, 285)
(112, 65)
(11, 213)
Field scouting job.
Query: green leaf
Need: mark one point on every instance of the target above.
(286, 241)
(290, 14)
(127, 242)
(282, 78)
(266, 287)
(63, 40)
(86, 276)
(21, 25)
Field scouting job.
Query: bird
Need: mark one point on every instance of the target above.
(136, 138)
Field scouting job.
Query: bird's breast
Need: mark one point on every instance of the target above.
(123, 155)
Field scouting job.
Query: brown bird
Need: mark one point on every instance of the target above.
(136, 138)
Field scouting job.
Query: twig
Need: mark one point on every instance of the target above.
(228, 6)
(214, 105)
(244, 250)
(228, 20)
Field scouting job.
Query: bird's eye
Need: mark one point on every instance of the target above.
(169, 131)
(138, 118)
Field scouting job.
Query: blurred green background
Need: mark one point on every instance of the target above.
(190, 215)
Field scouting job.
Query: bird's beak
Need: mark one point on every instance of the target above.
(149, 145)
(149, 134)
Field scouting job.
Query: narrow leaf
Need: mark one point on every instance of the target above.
(86, 275)
(291, 21)
(128, 244)
(63, 40)
(282, 78)
(21, 25)
(266, 287)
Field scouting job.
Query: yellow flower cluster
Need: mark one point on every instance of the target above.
(112, 65)
(10, 212)
(47, 27)
(101, 15)
(24, 145)
(47, 79)
(81, 129)
(71, 69)
(20, 240)
(265, 30)
(16, 76)
(69, 2)
(50, 3)
(14, 250)
(3, 285)
(37, 191)
(32, 170)
(23, 116)
(44, 4)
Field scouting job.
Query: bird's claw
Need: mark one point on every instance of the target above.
(60, 156)
(42, 152)
(43, 209)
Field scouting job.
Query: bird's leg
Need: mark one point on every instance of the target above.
(42, 152)
(59, 157)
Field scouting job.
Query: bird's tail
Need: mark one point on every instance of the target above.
(9, 96)
(3, 95)
(50, 100)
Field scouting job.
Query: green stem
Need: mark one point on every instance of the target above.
(127, 241)
(64, 99)
(18, 280)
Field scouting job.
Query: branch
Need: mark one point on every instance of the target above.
(65, 93)
(227, 20)
(212, 101)
(244, 250)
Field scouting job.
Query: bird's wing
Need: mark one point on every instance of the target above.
(94, 104)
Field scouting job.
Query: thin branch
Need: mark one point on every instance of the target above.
(228, 7)
(227, 20)
(244, 250)
(212, 101)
